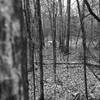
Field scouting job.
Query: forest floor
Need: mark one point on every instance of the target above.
(69, 79)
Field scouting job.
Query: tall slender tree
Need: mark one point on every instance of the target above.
(92, 28)
(38, 11)
(81, 15)
(68, 26)
(61, 37)
(24, 53)
(54, 42)
(33, 69)
(29, 17)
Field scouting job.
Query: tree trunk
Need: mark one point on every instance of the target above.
(24, 55)
(68, 26)
(81, 15)
(38, 8)
(33, 70)
(54, 43)
(92, 28)
(61, 36)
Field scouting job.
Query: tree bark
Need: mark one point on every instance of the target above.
(24, 54)
(61, 36)
(33, 70)
(81, 15)
(68, 26)
(38, 8)
(54, 43)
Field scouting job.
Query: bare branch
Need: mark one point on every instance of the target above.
(91, 12)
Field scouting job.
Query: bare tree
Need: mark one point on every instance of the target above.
(54, 42)
(24, 54)
(33, 69)
(68, 26)
(81, 15)
(61, 36)
(38, 11)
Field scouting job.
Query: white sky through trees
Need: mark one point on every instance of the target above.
(73, 5)
(73, 2)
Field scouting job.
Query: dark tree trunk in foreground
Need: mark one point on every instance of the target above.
(81, 15)
(24, 56)
(68, 26)
(38, 9)
(30, 34)
(24, 67)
